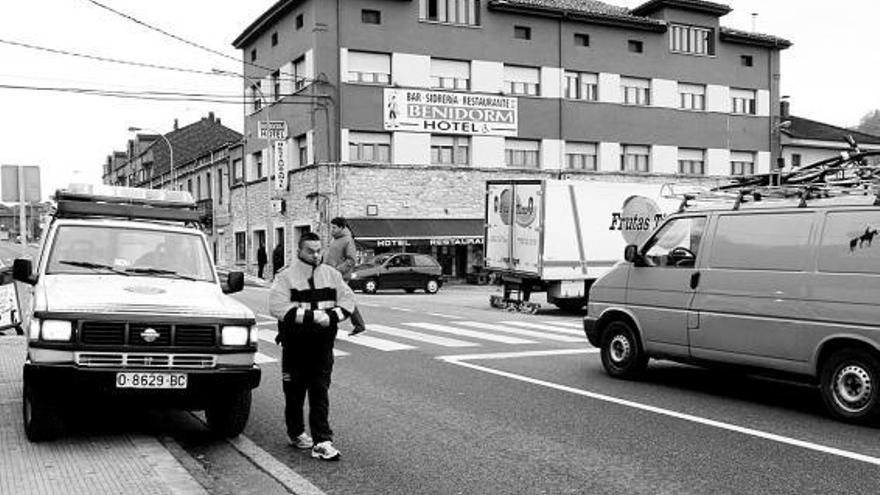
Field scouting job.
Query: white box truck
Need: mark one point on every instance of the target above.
(559, 236)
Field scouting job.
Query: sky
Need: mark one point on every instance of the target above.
(830, 73)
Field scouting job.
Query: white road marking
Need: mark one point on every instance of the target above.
(461, 332)
(422, 337)
(261, 358)
(373, 342)
(451, 317)
(570, 324)
(405, 310)
(520, 331)
(460, 360)
(539, 326)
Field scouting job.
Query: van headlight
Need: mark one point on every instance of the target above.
(56, 330)
(235, 335)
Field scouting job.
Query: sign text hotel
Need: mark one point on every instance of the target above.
(442, 112)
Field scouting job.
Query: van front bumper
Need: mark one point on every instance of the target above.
(591, 330)
(76, 382)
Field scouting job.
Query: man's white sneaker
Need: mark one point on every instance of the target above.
(325, 451)
(303, 441)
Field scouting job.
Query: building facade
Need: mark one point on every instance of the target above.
(203, 155)
(398, 111)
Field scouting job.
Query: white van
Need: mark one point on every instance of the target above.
(124, 301)
(782, 286)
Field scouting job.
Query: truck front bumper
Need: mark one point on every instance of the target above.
(69, 381)
(591, 330)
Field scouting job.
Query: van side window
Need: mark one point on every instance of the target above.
(850, 243)
(676, 244)
(766, 241)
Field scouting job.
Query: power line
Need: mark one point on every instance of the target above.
(197, 45)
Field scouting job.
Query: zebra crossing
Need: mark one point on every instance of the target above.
(457, 333)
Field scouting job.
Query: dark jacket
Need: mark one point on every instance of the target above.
(262, 258)
(278, 258)
(341, 253)
(298, 294)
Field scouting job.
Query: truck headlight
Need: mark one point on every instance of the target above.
(57, 330)
(235, 335)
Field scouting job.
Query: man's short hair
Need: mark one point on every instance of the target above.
(339, 222)
(308, 236)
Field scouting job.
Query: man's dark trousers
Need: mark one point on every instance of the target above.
(312, 378)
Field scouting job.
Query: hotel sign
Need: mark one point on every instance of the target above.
(443, 112)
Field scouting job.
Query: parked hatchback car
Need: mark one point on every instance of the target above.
(407, 271)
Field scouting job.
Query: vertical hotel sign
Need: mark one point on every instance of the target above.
(442, 112)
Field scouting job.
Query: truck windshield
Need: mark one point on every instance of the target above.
(136, 252)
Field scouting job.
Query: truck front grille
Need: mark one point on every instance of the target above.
(103, 333)
(143, 360)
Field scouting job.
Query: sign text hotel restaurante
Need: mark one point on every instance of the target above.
(416, 110)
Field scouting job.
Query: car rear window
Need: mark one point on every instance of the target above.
(422, 260)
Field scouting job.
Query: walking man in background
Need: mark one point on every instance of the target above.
(342, 255)
(309, 299)
(278, 257)
(262, 259)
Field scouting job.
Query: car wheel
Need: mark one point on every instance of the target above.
(432, 286)
(622, 354)
(41, 415)
(227, 416)
(370, 286)
(850, 385)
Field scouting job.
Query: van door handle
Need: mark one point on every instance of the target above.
(695, 280)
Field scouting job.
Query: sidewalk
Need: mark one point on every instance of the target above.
(124, 464)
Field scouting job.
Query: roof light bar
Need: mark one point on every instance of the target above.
(131, 195)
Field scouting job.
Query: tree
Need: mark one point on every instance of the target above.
(870, 123)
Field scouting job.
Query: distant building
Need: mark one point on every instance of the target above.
(806, 141)
(399, 111)
(202, 161)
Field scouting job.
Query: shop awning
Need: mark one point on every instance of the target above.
(436, 231)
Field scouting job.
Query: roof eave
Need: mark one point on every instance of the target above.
(703, 7)
(591, 17)
(266, 19)
(745, 39)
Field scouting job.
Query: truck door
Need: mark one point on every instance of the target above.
(526, 232)
(661, 287)
(499, 212)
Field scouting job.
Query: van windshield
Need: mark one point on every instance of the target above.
(99, 250)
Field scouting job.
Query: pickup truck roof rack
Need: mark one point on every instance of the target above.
(129, 203)
(846, 179)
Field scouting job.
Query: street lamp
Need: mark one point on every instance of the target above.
(170, 152)
(270, 227)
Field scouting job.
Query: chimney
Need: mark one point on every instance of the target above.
(175, 124)
(211, 116)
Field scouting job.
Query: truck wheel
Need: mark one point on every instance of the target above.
(41, 415)
(370, 286)
(622, 354)
(850, 385)
(228, 415)
(432, 286)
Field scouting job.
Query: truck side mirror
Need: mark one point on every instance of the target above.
(23, 271)
(234, 282)
(631, 253)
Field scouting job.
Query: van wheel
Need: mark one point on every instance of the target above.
(432, 286)
(850, 385)
(370, 286)
(227, 416)
(41, 415)
(622, 354)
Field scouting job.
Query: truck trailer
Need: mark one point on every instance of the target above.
(559, 236)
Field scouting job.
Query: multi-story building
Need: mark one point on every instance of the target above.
(203, 153)
(399, 111)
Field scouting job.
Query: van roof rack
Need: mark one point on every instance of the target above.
(839, 180)
(130, 203)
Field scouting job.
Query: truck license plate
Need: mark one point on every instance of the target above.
(150, 380)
